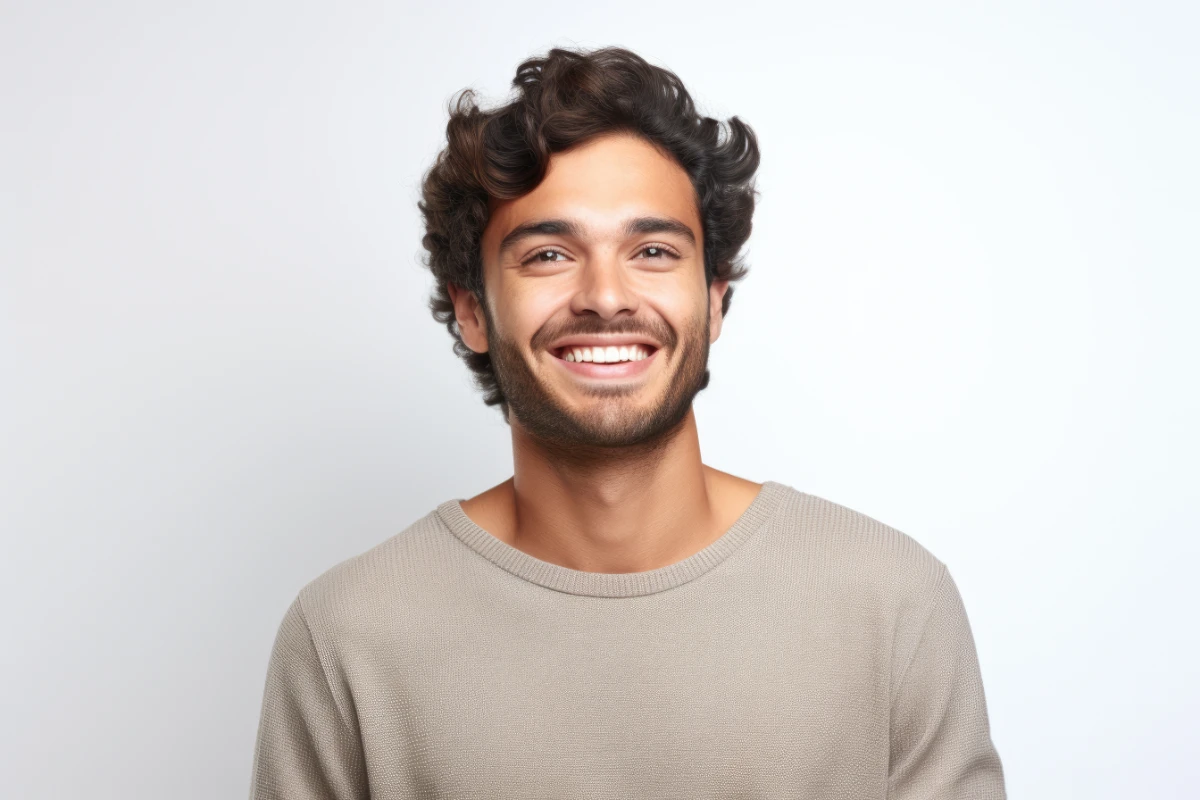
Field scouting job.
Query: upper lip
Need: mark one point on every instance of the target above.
(603, 341)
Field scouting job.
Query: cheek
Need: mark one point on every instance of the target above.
(527, 307)
(683, 307)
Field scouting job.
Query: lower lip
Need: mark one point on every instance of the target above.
(618, 369)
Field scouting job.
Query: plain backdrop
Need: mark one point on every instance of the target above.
(970, 314)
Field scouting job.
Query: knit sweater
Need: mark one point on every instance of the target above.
(809, 652)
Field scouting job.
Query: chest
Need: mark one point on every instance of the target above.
(663, 698)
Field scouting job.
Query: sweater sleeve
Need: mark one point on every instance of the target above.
(941, 746)
(306, 748)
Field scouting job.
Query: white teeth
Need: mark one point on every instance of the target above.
(607, 355)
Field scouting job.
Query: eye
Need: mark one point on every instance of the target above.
(657, 251)
(542, 257)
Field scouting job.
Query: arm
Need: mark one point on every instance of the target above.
(307, 747)
(941, 746)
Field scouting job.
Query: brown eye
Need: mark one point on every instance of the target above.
(545, 257)
(656, 252)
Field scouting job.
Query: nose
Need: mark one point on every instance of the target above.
(604, 288)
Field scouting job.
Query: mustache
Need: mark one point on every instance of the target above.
(593, 326)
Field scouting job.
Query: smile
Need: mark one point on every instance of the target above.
(606, 362)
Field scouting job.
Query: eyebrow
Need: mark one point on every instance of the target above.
(545, 227)
(659, 225)
(552, 227)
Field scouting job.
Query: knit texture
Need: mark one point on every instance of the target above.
(810, 652)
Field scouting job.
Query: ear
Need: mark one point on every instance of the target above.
(716, 296)
(472, 324)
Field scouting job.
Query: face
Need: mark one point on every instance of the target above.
(597, 317)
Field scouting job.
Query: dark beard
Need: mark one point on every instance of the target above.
(618, 432)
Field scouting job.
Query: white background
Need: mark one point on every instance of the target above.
(971, 314)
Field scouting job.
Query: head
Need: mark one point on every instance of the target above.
(595, 209)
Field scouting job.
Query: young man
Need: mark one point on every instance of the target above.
(617, 619)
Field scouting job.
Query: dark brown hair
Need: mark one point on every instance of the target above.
(563, 99)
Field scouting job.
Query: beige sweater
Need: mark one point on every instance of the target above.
(810, 652)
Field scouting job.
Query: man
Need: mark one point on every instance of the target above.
(617, 619)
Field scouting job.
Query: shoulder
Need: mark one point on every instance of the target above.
(376, 586)
(850, 549)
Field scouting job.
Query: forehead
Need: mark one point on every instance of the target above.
(601, 183)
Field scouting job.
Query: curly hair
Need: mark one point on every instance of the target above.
(564, 99)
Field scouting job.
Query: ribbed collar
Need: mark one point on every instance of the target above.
(608, 584)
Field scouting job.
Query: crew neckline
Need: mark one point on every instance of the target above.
(612, 584)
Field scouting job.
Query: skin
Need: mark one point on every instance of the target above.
(607, 474)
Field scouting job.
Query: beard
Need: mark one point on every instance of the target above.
(617, 424)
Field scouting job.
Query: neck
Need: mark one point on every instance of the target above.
(631, 510)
